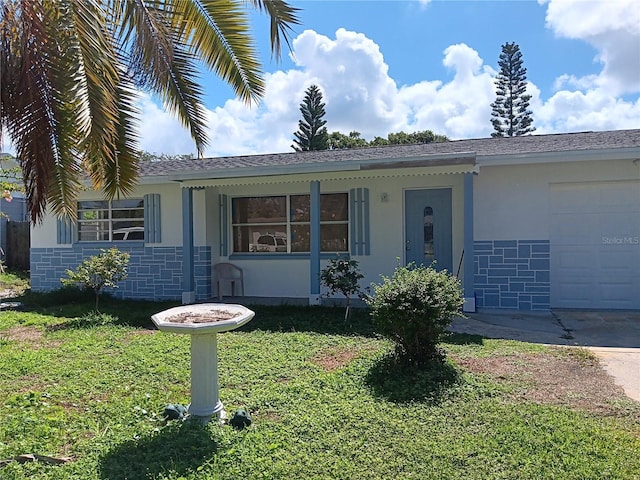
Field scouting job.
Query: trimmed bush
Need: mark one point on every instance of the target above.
(99, 271)
(414, 308)
(342, 275)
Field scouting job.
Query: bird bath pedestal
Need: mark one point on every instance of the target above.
(203, 322)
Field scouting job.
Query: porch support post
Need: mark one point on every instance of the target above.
(188, 281)
(314, 234)
(468, 282)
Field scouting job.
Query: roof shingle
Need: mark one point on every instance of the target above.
(481, 147)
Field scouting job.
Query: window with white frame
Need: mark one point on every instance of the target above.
(281, 223)
(111, 221)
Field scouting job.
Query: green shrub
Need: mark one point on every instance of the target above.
(342, 275)
(414, 308)
(99, 271)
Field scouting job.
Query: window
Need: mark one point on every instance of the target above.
(111, 221)
(261, 224)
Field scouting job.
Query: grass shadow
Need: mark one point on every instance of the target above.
(392, 379)
(324, 320)
(453, 338)
(179, 448)
(78, 308)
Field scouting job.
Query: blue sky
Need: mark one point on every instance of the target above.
(386, 66)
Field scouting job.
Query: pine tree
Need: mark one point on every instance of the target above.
(312, 133)
(510, 114)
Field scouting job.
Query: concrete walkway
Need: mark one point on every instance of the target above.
(614, 337)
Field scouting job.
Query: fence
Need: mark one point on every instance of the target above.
(18, 245)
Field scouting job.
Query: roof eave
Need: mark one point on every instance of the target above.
(626, 153)
(438, 160)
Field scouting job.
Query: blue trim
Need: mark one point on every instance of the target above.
(352, 219)
(152, 230)
(468, 252)
(224, 232)
(365, 239)
(283, 256)
(187, 241)
(107, 244)
(314, 234)
(359, 220)
(64, 231)
(359, 223)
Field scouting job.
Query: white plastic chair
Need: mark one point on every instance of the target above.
(228, 272)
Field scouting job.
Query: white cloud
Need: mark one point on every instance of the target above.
(612, 28)
(360, 95)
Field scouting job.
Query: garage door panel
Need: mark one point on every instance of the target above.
(574, 230)
(618, 262)
(569, 200)
(569, 258)
(621, 198)
(573, 295)
(595, 245)
(617, 292)
(618, 224)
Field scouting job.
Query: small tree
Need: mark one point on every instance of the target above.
(312, 133)
(339, 141)
(99, 271)
(510, 114)
(342, 275)
(10, 178)
(414, 308)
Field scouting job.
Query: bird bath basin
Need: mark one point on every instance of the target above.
(203, 322)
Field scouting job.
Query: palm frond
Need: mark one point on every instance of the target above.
(96, 79)
(29, 105)
(121, 175)
(162, 62)
(283, 17)
(217, 32)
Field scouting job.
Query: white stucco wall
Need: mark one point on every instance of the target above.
(512, 201)
(291, 278)
(45, 235)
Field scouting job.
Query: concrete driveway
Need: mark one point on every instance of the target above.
(613, 336)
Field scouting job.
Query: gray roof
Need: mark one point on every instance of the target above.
(524, 145)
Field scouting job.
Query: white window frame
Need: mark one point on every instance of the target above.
(288, 224)
(109, 220)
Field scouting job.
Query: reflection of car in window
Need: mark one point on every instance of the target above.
(269, 243)
(129, 233)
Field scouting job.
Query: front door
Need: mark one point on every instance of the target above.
(428, 227)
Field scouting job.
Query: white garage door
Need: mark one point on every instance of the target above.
(595, 245)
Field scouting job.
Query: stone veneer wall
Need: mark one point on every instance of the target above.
(155, 273)
(512, 274)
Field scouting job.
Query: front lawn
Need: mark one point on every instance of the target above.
(327, 398)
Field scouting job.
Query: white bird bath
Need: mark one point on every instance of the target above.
(203, 322)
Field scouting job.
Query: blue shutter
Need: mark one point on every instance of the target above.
(152, 231)
(224, 225)
(64, 231)
(359, 216)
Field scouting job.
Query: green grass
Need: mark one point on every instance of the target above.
(328, 401)
(14, 279)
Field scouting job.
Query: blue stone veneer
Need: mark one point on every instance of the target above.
(512, 274)
(155, 273)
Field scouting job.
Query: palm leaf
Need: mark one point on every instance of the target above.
(217, 32)
(95, 93)
(161, 62)
(283, 16)
(29, 105)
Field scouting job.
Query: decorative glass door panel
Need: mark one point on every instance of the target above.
(428, 228)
